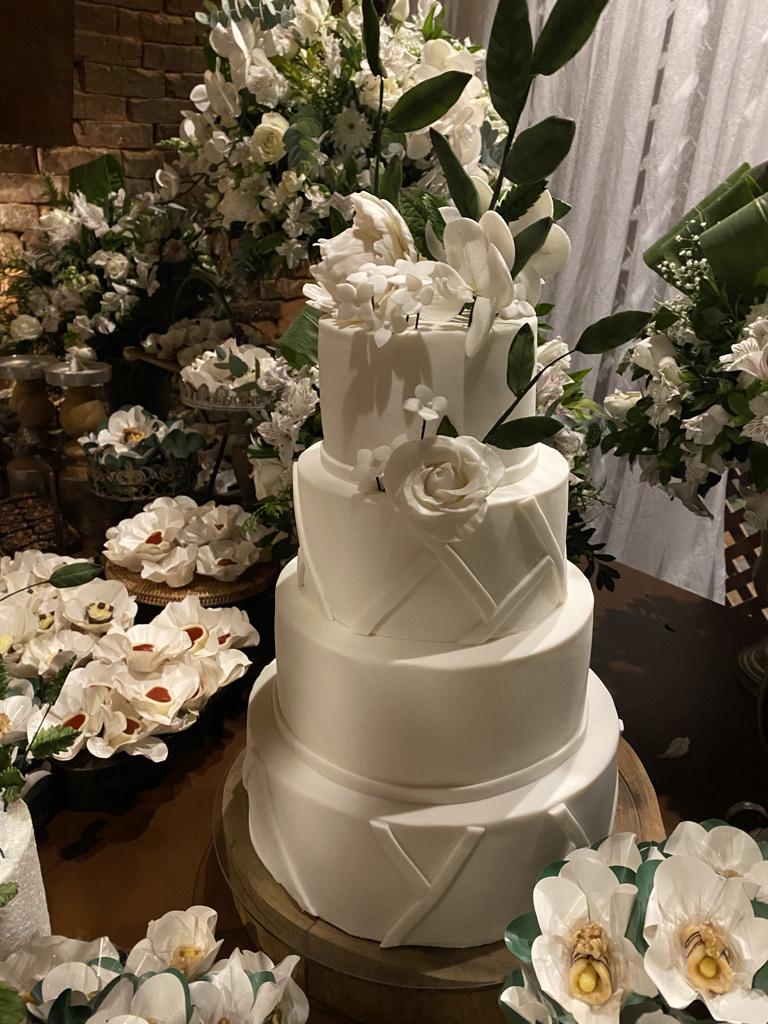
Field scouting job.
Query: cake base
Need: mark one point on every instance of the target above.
(354, 981)
(443, 867)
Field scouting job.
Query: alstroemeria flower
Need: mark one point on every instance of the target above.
(426, 404)
(582, 958)
(98, 606)
(482, 255)
(705, 942)
(731, 852)
(184, 940)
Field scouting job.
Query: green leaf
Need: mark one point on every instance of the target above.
(758, 465)
(760, 909)
(612, 331)
(299, 343)
(521, 359)
(551, 870)
(371, 33)
(419, 208)
(567, 29)
(519, 199)
(427, 102)
(62, 1013)
(74, 575)
(51, 741)
(623, 874)
(183, 443)
(52, 687)
(561, 209)
(524, 432)
(460, 185)
(529, 241)
(11, 784)
(392, 181)
(644, 882)
(97, 178)
(8, 891)
(737, 247)
(13, 1009)
(760, 980)
(539, 150)
(508, 61)
(446, 428)
(520, 936)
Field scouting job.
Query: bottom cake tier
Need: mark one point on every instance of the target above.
(453, 871)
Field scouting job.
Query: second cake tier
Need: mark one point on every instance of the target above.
(423, 714)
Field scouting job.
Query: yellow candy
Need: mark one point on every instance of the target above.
(588, 979)
(708, 967)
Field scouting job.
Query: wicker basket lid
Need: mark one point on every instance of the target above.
(210, 592)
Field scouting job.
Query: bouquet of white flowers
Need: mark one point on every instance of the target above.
(646, 932)
(286, 115)
(173, 975)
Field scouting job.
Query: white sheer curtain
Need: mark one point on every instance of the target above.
(669, 96)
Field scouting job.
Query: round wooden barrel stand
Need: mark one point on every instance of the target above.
(354, 981)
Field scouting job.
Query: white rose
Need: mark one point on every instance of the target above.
(400, 10)
(267, 140)
(116, 265)
(442, 484)
(650, 352)
(268, 477)
(26, 328)
(618, 404)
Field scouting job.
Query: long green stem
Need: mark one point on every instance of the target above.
(379, 122)
(531, 384)
(500, 178)
(22, 589)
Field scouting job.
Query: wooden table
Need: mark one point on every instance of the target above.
(667, 656)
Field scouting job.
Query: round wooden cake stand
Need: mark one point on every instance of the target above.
(354, 981)
(212, 593)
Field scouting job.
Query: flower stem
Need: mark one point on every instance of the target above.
(531, 384)
(22, 589)
(379, 120)
(423, 429)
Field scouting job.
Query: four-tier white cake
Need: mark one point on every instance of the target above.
(430, 733)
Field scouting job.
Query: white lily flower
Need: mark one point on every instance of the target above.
(729, 851)
(705, 942)
(184, 940)
(582, 959)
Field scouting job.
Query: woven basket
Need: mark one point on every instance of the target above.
(210, 592)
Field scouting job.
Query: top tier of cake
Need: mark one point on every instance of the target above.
(363, 387)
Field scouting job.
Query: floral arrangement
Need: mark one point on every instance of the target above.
(172, 975)
(99, 267)
(77, 662)
(293, 101)
(189, 338)
(134, 434)
(676, 931)
(700, 403)
(174, 538)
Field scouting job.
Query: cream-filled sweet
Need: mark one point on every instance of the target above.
(430, 732)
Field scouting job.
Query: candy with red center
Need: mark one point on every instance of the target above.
(76, 721)
(155, 538)
(143, 648)
(159, 694)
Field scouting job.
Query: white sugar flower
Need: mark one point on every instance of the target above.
(369, 467)
(50, 650)
(249, 987)
(705, 942)
(16, 710)
(27, 966)
(214, 522)
(706, 427)
(482, 255)
(731, 852)
(441, 484)
(160, 696)
(757, 428)
(426, 404)
(79, 706)
(98, 606)
(582, 958)
(184, 940)
(619, 403)
(83, 981)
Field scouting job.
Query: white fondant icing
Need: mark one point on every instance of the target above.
(363, 386)
(368, 568)
(439, 874)
(418, 714)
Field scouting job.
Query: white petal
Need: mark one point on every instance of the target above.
(435, 246)
(161, 997)
(689, 839)
(551, 967)
(559, 904)
(498, 234)
(466, 250)
(661, 965)
(483, 315)
(543, 207)
(620, 850)
(553, 255)
(740, 1006)
(501, 287)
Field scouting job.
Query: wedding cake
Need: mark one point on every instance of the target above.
(430, 732)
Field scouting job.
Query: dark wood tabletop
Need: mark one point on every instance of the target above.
(667, 656)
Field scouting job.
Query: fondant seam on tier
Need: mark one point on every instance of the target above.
(541, 529)
(569, 825)
(386, 602)
(431, 892)
(488, 628)
(428, 795)
(306, 559)
(256, 765)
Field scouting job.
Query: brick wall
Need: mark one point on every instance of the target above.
(135, 63)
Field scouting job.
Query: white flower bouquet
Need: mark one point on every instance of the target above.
(100, 268)
(174, 975)
(77, 667)
(664, 932)
(284, 119)
(174, 538)
(700, 399)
